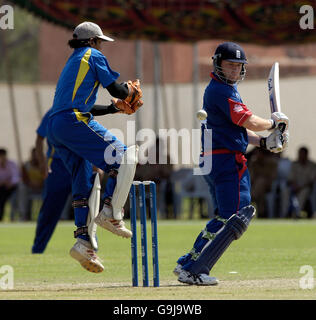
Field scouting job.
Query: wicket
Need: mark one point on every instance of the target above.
(153, 213)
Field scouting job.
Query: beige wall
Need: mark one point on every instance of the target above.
(298, 96)
(177, 58)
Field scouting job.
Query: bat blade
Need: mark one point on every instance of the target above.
(274, 88)
(274, 96)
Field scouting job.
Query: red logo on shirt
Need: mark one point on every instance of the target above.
(239, 112)
(238, 108)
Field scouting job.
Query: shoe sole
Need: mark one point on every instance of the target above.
(207, 284)
(109, 226)
(200, 284)
(89, 265)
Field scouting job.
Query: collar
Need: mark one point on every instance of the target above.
(216, 78)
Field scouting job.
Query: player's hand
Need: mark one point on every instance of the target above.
(123, 106)
(280, 120)
(274, 140)
(136, 105)
(134, 91)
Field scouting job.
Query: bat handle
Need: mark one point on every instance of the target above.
(281, 128)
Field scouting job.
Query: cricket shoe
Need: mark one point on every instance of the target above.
(83, 252)
(105, 220)
(197, 279)
(177, 270)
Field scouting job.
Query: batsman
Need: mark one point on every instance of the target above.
(80, 141)
(233, 127)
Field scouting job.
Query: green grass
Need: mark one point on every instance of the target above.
(265, 263)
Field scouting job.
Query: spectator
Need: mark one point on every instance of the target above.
(32, 185)
(263, 170)
(9, 179)
(282, 194)
(301, 181)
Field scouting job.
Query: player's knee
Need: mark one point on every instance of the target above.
(238, 223)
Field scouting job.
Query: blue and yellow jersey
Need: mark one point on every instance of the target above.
(79, 81)
(226, 114)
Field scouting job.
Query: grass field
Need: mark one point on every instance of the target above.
(264, 264)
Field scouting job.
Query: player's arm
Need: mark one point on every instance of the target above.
(117, 106)
(100, 110)
(117, 90)
(129, 91)
(253, 138)
(40, 154)
(255, 123)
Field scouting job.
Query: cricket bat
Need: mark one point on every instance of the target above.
(274, 96)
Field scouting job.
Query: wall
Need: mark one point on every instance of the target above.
(298, 96)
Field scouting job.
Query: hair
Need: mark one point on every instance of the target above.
(79, 43)
(3, 152)
(304, 149)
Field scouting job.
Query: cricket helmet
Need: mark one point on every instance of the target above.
(233, 52)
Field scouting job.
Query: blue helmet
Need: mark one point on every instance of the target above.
(229, 51)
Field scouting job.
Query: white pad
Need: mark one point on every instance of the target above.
(125, 176)
(94, 207)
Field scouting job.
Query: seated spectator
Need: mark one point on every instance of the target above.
(301, 181)
(31, 185)
(263, 167)
(282, 192)
(9, 179)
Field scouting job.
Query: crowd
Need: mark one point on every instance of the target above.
(281, 188)
(22, 187)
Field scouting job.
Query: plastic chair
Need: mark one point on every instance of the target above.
(190, 186)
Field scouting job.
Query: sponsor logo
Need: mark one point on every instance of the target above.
(238, 108)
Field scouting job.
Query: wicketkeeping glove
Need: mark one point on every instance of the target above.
(136, 105)
(125, 107)
(134, 91)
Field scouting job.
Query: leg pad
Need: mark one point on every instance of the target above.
(236, 225)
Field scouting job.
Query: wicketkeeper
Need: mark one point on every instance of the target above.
(233, 126)
(81, 141)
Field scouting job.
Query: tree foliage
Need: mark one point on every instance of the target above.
(20, 45)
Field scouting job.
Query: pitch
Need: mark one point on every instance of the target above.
(264, 264)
